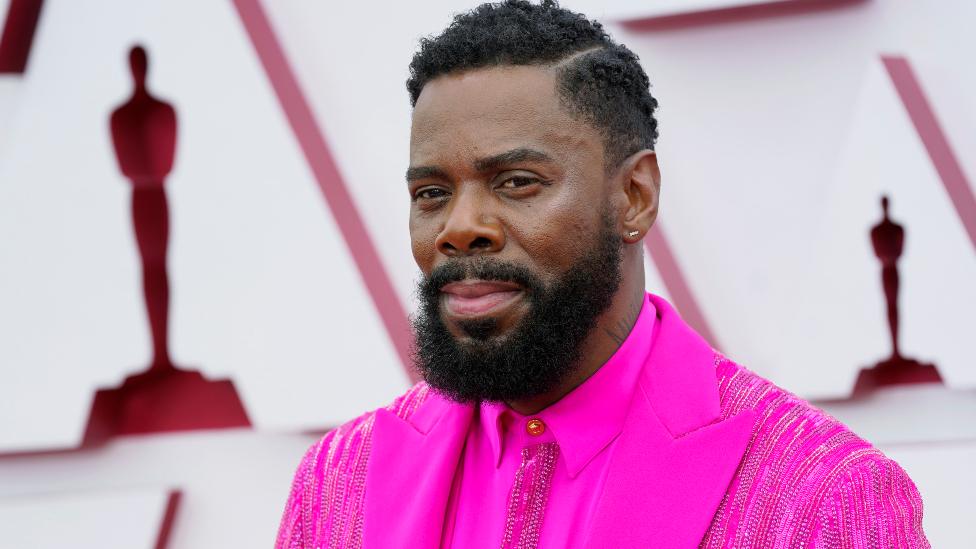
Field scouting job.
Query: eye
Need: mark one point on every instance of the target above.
(519, 181)
(429, 193)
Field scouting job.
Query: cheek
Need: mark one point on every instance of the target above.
(422, 238)
(559, 233)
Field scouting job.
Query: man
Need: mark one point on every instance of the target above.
(562, 405)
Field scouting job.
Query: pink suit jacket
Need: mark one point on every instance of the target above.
(711, 455)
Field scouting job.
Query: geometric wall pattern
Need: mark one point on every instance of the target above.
(289, 263)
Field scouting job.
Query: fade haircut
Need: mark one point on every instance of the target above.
(597, 79)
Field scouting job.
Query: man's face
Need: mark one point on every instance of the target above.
(508, 208)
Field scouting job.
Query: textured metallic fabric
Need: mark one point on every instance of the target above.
(804, 481)
(527, 502)
(325, 507)
(808, 481)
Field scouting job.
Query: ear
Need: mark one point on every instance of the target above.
(640, 178)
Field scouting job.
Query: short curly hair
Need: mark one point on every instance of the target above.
(598, 79)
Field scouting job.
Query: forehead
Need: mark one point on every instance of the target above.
(488, 110)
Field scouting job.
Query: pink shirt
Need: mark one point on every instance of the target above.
(515, 484)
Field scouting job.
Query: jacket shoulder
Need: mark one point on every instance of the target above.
(328, 490)
(799, 461)
(793, 427)
(359, 430)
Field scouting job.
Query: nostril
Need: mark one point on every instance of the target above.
(448, 247)
(480, 242)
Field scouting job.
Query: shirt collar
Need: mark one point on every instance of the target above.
(587, 419)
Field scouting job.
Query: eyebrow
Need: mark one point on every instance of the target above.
(487, 164)
(522, 154)
(425, 172)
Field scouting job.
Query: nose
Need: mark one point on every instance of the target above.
(470, 228)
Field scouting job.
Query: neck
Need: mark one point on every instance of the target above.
(612, 328)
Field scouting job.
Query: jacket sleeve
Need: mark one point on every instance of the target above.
(872, 505)
(292, 531)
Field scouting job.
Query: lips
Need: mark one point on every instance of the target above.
(478, 297)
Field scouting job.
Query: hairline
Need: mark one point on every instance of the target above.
(559, 67)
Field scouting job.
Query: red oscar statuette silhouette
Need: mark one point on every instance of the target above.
(888, 240)
(163, 397)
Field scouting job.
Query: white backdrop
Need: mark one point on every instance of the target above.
(778, 135)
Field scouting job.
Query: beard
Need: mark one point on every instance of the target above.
(540, 351)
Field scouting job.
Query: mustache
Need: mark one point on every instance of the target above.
(482, 268)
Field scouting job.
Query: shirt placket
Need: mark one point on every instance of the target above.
(530, 487)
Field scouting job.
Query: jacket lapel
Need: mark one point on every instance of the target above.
(411, 468)
(670, 468)
(675, 457)
(662, 491)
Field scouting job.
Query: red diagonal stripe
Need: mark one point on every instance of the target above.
(326, 173)
(18, 35)
(770, 9)
(676, 284)
(169, 516)
(935, 141)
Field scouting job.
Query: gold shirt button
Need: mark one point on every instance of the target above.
(535, 427)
